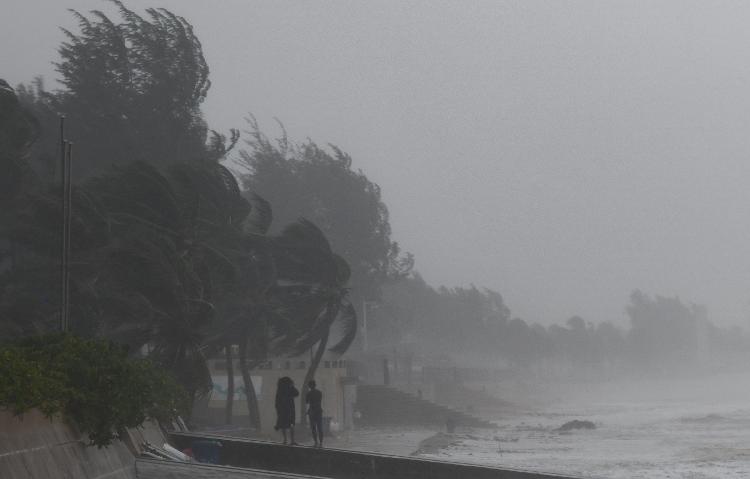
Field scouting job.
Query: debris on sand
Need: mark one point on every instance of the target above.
(576, 424)
(438, 442)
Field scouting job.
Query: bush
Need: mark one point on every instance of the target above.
(91, 382)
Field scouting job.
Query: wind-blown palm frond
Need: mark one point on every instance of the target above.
(347, 319)
(260, 218)
(304, 255)
(343, 270)
(141, 193)
(303, 233)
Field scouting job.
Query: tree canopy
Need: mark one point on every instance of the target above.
(133, 90)
(172, 257)
(168, 256)
(309, 181)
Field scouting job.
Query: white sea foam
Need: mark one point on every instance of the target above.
(693, 429)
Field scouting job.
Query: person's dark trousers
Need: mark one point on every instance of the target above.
(316, 426)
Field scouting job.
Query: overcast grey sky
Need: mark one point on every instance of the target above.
(562, 153)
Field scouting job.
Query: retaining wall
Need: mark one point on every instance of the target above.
(34, 447)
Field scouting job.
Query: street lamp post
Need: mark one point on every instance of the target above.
(66, 159)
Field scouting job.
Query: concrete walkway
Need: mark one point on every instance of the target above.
(342, 464)
(159, 469)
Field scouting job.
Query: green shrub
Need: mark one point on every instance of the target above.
(92, 382)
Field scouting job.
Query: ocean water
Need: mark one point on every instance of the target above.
(654, 429)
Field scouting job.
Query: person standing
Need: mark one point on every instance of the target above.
(285, 412)
(314, 400)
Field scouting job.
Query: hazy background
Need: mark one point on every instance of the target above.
(562, 153)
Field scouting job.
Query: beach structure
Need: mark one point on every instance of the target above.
(339, 391)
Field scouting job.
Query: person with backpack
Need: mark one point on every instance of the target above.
(285, 411)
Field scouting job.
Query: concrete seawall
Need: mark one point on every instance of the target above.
(34, 447)
(342, 464)
(156, 469)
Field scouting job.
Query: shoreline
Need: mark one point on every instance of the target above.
(391, 440)
(436, 443)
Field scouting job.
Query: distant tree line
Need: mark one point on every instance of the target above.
(664, 335)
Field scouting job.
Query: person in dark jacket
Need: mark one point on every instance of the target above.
(314, 400)
(285, 413)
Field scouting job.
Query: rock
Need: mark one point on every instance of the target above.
(576, 424)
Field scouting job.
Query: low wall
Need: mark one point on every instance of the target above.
(156, 469)
(34, 447)
(341, 464)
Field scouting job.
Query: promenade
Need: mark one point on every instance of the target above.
(343, 464)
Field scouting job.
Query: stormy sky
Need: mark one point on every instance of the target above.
(562, 153)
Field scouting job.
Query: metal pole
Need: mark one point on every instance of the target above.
(68, 216)
(63, 237)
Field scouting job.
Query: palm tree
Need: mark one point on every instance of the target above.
(241, 310)
(289, 296)
(317, 277)
(247, 306)
(174, 234)
(18, 131)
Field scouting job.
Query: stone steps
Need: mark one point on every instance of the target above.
(383, 405)
(461, 397)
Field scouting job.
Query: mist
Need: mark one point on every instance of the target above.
(573, 148)
(529, 212)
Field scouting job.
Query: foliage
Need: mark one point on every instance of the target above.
(449, 319)
(317, 278)
(133, 90)
(25, 291)
(176, 242)
(18, 130)
(308, 181)
(167, 253)
(317, 293)
(92, 382)
(171, 256)
(665, 334)
(156, 237)
(665, 330)
(148, 251)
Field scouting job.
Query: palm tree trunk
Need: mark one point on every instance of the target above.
(314, 363)
(252, 400)
(230, 384)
